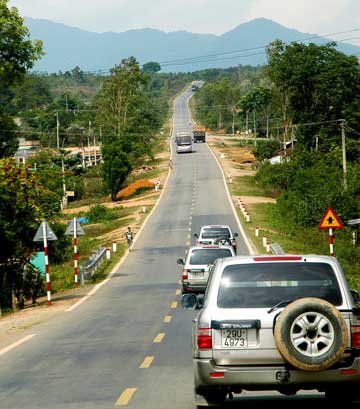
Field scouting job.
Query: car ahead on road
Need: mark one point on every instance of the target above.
(216, 234)
(197, 266)
(284, 323)
(183, 142)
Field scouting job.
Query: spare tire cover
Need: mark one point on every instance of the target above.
(222, 240)
(311, 334)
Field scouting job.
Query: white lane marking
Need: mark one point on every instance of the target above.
(246, 240)
(3, 351)
(115, 269)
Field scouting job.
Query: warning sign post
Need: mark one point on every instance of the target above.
(329, 222)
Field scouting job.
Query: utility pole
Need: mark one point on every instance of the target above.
(64, 185)
(343, 148)
(254, 117)
(57, 130)
(95, 161)
(89, 148)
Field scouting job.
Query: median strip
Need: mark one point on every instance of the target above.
(125, 397)
(159, 338)
(146, 362)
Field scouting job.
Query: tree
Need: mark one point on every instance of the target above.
(23, 203)
(115, 168)
(17, 55)
(318, 84)
(128, 119)
(151, 67)
(17, 52)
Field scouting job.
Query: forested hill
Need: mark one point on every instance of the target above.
(68, 47)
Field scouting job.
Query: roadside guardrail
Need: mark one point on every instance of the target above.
(276, 248)
(90, 266)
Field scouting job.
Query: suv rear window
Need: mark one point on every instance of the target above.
(215, 232)
(208, 256)
(262, 285)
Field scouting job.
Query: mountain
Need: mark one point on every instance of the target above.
(68, 47)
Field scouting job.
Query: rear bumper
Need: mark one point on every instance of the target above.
(271, 378)
(193, 288)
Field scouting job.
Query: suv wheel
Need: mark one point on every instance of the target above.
(223, 241)
(311, 334)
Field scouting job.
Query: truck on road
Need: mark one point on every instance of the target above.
(199, 134)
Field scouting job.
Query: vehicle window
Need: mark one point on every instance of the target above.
(208, 256)
(262, 285)
(213, 232)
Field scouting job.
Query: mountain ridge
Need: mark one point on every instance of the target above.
(67, 47)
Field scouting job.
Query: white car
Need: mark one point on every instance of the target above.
(220, 234)
(197, 266)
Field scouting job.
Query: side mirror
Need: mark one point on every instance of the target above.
(236, 235)
(196, 235)
(192, 301)
(180, 261)
(355, 296)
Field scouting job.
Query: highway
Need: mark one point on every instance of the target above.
(130, 343)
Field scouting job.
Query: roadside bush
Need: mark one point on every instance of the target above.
(266, 149)
(100, 213)
(134, 188)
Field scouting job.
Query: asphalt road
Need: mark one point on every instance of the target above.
(130, 343)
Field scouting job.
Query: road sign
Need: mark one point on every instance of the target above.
(330, 220)
(70, 229)
(39, 235)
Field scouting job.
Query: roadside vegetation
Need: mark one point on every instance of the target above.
(304, 107)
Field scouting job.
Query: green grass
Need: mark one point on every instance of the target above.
(294, 239)
(245, 186)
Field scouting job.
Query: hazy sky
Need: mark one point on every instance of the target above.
(200, 16)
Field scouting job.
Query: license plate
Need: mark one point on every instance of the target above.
(197, 273)
(234, 338)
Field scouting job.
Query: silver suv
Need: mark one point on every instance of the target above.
(216, 234)
(284, 323)
(199, 260)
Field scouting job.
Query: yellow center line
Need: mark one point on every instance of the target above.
(187, 243)
(146, 362)
(167, 318)
(178, 292)
(159, 337)
(189, 236)
(125, 397)
(174, 304)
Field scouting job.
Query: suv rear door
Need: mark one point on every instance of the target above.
(247, 304)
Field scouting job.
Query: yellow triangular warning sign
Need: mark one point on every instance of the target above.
(330, 220)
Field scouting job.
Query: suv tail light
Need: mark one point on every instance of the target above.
(355, 336)
(204, 338)
(185, 274)
(233, 242)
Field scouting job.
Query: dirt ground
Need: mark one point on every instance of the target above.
(236, 162)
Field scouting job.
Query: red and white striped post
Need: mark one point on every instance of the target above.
(46, 254)
(331, 242)
(76, 279)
